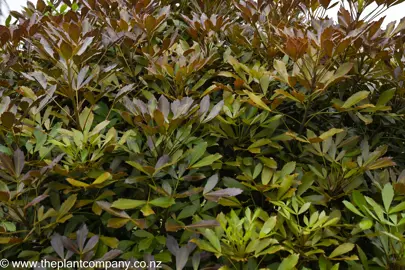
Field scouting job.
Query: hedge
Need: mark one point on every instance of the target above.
(203, 134)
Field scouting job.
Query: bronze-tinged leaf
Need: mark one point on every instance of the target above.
(4, 196)
(194, 177)
(328, 47)
(7, 119)
(4, 34)
(74, 32)
(172, 225)
(381, 163)
(399, 188)
(66, 50)
(150, 24)
(324, 3)
(203, 224)
(41, 5)
(7, 163)
(140, 223)
(117, 222)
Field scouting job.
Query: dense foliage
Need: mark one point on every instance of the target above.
(203, 134)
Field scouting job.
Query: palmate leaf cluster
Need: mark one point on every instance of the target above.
(203, 134)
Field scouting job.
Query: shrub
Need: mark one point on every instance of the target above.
(203, 134)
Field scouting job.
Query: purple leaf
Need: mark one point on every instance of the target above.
(214, 112)
(40, 78)
(80, 77)
(87, 41)
(172, 245)
(57, 244)
(140, 106)
(162, 161)
(164, 106)
(36, 200)
(227, 192)
(204, 106)
(81, 236)
(182, 257)
(69, 244)
(53, 163)
(112, 254)
(91, 243)
(124, 90)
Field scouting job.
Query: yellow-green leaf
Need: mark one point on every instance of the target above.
(342, 249)
(257, 100)
(355, 98)
(124, 204)
(77, 183)
(102, 178)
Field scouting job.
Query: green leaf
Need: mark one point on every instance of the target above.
(208, 160)
(288, 168)
(335, 267)
(289, 263)
(376, 207)
(385, 97)
(387, 196)
(97, 129)
(304, 208)
(187, 211)
(204, 245)
(198, 152)
(366, 224)
(163, 202)
(285, 185)
(342, 249)
(264, 83)
(343, 70)
(268, 226)
(397, 208)
(211, 183)
(352, 208)
(124, 204)
(363, 257)
(267, 174)
(212, 238)
(355, 98)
